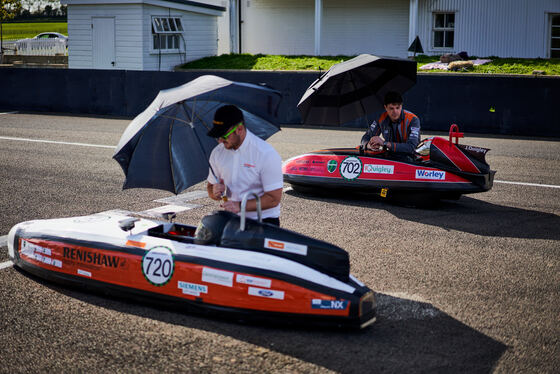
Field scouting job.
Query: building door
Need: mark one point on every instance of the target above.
(103, 42)
(555, 36)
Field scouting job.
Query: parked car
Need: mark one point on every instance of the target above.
(52, 35)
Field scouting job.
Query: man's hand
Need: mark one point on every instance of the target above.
(375, 143)
(231, 206)
(218, 189)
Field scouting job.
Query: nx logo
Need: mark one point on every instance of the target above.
(329, 304)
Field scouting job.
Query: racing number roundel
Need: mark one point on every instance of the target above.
(351, 168)
(158, 265)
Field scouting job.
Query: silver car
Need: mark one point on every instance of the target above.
(52, 35)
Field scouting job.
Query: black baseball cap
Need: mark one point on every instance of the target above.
(225, 118)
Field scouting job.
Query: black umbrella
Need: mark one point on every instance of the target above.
(352, 89)
(166, 146)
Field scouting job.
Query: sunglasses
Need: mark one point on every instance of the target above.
(224, 137)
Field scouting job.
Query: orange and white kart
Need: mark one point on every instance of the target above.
(228, 265)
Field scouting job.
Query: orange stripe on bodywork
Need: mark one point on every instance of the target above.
(133, 243)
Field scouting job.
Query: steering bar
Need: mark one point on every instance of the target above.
(244, 206)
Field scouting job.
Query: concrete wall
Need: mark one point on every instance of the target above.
(509, 105)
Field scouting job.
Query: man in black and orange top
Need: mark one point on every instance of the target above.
(396, 130)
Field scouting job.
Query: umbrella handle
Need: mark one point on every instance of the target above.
(243, 208)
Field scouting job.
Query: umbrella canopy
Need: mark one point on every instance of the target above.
(166, 147)
(352, 89)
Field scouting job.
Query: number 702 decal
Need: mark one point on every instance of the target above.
(351, 168)
(158, 265)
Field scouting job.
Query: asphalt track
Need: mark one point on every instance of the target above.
(469, 286)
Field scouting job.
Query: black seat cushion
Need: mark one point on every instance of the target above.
(271, 239)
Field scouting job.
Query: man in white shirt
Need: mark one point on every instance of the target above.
(243, 163)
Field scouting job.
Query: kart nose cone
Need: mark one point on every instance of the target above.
(11, 237)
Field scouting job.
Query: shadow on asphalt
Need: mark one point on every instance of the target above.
(408, 336)
(466, 214)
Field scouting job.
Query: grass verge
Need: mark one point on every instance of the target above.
(317, 63)
(266, 62)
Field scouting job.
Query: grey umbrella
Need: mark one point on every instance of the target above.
(355, 88)
(166, 146)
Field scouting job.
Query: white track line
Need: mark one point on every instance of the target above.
(7, 264)
(529, 184)
(57, 142)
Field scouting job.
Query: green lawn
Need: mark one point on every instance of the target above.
(14, 31)
(275, 62)
(266, 62)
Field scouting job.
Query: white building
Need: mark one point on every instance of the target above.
(140, 34)
(503, 28)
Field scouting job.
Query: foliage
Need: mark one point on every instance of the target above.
(9, 9)
(33, 9)
(275, 62)
(14, 31)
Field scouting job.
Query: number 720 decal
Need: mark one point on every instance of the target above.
(158, 265)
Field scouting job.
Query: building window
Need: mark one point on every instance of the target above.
(165, 42)
(555, 36)
(444, 30)
(166, 33)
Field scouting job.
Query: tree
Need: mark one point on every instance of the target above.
(41, 8)
(8, 10)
